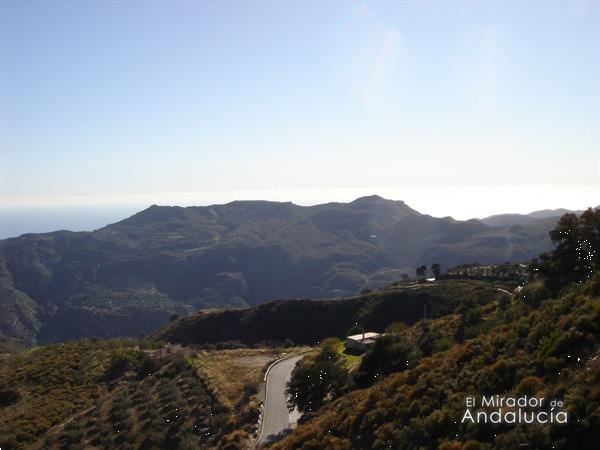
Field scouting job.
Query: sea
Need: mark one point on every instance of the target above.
(18, 221)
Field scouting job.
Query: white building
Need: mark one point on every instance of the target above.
(361, 341)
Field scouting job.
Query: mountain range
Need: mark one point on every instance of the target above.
(130, 277)
(502, 220)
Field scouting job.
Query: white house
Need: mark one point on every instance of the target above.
(361, 341)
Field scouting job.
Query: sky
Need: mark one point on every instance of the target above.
(463, 108)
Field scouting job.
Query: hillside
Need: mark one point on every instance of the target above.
(535, 218)
(42, 387)
(308, 321)
(128, 278)
(407, 392)
(112, 394)
(549, 351)
(108, 394)
(172, 409)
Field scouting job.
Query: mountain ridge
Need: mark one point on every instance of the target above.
(129, 277)
(500, 220)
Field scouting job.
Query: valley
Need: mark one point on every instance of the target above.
(131, 277)
(109, 394)
(229, 378)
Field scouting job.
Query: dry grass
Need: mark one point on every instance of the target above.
(229, 371)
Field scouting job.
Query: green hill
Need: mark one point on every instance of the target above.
(308, 321)
(551, 351)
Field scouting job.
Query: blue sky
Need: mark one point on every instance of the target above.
(107, 103)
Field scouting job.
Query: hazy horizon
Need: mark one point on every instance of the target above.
(113, 103)
(438, 202)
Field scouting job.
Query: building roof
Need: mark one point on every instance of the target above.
(364, 336)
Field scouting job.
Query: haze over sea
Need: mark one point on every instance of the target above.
(461, 109)
(462, 203)
(18, 221)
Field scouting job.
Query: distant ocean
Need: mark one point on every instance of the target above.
(17, 221)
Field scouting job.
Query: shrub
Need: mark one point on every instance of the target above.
(389, 353)
(9, 397)
(530, 385)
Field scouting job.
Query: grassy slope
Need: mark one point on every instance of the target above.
(350, 360)
(549, 352)
(246, 364)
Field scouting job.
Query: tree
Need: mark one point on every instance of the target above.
(421, 271)
(469, 311)
(390, 353)
(120, 362)
(146, 367)
(396, 328)
(576, 255)
(315, 380)
(469, 317)
(427, 338)
(459, 333)
(436, 269)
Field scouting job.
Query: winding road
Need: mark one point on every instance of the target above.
(276, 416)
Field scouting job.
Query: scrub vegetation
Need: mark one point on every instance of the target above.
(410, 388)
(549, 351)
(407, 391)
(129, 278)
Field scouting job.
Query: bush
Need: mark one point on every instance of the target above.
(530, 385)
(9, 397)
(119, 364)
(389, 353)
(146, 367)
(533, 294)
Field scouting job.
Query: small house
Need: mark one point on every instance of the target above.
(361, 342)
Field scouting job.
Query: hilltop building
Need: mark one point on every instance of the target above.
(361, 342)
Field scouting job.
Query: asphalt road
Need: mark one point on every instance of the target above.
(276, 416)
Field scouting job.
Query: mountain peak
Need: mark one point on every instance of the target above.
(156, 213)
(370, 198)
